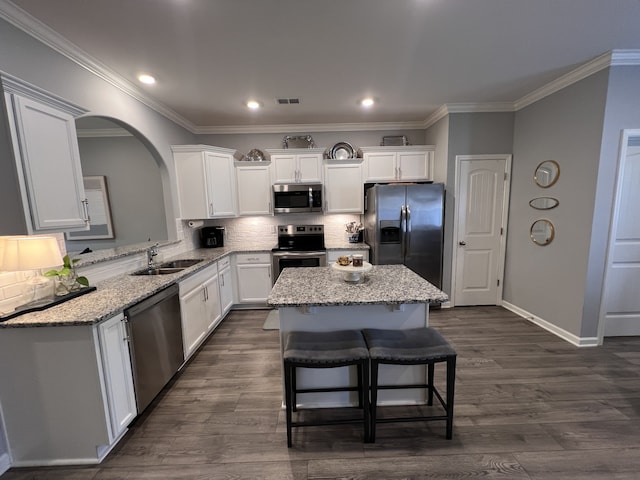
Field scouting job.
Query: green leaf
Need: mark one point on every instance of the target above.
(51, 273)
(83, 281)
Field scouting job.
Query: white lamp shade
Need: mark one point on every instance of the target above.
(29, 253)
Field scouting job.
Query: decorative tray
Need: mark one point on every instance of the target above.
(301, 141)
(353, 274)
(27, 308)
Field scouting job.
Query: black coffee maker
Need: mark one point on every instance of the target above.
(212, 237)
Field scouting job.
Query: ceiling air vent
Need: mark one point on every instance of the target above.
(288, 101)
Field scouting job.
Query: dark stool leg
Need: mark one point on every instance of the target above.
(289, 372)
(451, 382)
(430, 369)
(364, 389)
(374, 399)
(360, 388)
(294, 391)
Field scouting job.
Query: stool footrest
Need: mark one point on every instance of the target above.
(311, 423)
(327, 389)
(411, 419)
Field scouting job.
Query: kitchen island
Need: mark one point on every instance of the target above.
(318, 299)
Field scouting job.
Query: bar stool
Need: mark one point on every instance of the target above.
(325, 350)
(418, 346)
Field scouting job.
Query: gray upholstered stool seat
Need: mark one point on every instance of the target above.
(417, 346)
(325, 350)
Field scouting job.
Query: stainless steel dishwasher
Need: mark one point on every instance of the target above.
(155, 333)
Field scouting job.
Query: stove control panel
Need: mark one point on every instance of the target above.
(300, 230)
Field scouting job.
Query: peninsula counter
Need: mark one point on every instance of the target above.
(318, 299)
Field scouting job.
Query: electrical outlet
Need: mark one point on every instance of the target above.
(274, 229)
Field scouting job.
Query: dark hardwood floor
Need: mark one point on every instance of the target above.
(528, 406)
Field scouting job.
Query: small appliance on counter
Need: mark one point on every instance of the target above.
(212, 237)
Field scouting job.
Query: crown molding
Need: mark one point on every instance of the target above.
(44, 34)
(309, 127)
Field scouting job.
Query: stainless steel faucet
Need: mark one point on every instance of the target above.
(151, 253)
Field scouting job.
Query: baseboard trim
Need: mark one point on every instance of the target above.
(550, 327)
(5, 463)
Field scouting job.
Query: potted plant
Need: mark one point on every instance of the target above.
(68, 280)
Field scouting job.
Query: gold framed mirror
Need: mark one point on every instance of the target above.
(547, 173)
(544, 203)
(542, 232)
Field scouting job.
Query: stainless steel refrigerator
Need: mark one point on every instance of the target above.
(403, 224)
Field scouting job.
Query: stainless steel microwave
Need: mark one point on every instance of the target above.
(297, 198)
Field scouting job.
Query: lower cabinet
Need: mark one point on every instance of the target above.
(225, 281)
(67, 396)
(200, 307)
(116, 363)
(253, 277)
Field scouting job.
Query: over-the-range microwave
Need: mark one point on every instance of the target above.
(297, 198)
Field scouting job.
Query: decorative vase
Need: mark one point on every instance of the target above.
(67, 284)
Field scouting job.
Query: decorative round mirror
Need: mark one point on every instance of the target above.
(544, 203)
(542, 232)
(547, 173)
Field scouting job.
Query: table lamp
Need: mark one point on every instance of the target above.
(32, 253)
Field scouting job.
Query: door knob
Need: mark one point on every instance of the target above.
(462, 243)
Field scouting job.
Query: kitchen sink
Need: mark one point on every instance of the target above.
(183, 263)
(158, 271)
(173, 266)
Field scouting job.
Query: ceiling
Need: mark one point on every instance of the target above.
(413, 56)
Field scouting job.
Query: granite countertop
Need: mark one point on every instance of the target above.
(323, 286)
(119, 292)
(122, 291)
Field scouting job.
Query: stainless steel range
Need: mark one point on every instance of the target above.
(298, 246)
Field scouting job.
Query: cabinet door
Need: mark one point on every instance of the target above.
(285, 169)
(51, 165)
(380, 167)
(344, 189)
(116, 363)
(254, 282)
(414, 166)
(220, 185)
(192, 185)
(212, 303)
(194, 319)
(254, 190)
(310, 168)
(226, 290)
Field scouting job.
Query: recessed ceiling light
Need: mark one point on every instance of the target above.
(146, 78)
(367, 102)
(253, 104)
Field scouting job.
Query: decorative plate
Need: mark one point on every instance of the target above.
(341, 151)
(301, 141)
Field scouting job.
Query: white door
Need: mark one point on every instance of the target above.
(482, 193)
(621, 302)
(221, 184)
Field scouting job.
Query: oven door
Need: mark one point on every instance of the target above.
(281, 260)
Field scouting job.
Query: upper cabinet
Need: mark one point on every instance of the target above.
(206, 181)
(293, 165)
(254, 188)
(398, 164)
(343, 187)
(41, 185)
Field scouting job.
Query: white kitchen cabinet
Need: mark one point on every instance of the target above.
(225, 281)
(206, 181)
(41, 185)
(254, 188)
(116, 362)
(253, 277)
(343, 187)
(391, 164)
(297, 165)
(67, 397)
(199, 307)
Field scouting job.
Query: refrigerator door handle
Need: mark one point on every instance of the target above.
(403, 230)
(408, 236)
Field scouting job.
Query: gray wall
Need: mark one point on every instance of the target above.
(622, 112)
(135, 190)
(245, 142)
(549, 281)
(465, 134)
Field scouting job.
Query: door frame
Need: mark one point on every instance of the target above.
(625, 135)
(505, 216)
